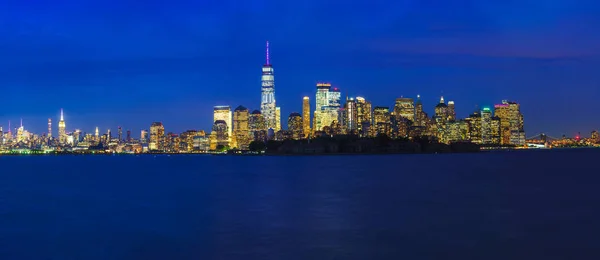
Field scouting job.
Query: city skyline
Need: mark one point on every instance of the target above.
(178, 71)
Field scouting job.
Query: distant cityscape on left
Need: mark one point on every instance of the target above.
(352, 127)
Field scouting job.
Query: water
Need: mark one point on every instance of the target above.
(507, 205)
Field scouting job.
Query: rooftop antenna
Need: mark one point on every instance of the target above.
(268, 59)
(61, 115)
(21, 122)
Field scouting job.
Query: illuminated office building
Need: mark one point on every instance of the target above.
(186, 141)
(451, 112)
(594, 136)
(326, 117)
(503, 112)
(97, 135)
(49, 128)
(62, 133)
(511, 123)
(495, 130)
(224, 113)
(321, 98)
(277, 119)
(486, 126)
(241, 128)
(77, 136)
(475, 127)
(364, 115)
(441, 111)
(382, 122)
(120, 133)
(267, 104)
(295, 126)
(157, 137)
(20, 130)
(143, 136)
(404, 108)
(221, 133)
(306, 116)
(457, 131)
(201, 143)
(421, 117)
(257, 126)
(351, 115)
(321, 101)
(334, 97)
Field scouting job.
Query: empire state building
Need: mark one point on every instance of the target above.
(267, 104)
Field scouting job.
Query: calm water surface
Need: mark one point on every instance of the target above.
(508, 205)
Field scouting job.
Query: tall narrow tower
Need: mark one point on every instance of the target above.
(306, 116)
(62, 134)
(267, 104)
(49, 128)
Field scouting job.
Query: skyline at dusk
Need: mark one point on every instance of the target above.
(131, 64)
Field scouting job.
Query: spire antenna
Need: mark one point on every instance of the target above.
(61, 115)
(268, 58)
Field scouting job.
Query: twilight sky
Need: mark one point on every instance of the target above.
(128, 63)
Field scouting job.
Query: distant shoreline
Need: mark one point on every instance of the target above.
(246, 153)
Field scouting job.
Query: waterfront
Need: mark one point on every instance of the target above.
(492, 205)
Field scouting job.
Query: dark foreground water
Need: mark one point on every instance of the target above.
(508, 205)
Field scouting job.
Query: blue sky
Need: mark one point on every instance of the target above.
(129, 63)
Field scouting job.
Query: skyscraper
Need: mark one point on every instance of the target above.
(334, 97)
(322, 101)
(157, 137)
(351, 114)
(224, 113)
(474, 122)
(321, 98)
(326, 117)
(120, 133)
(420, 115)
(511, 123)
(451, 112)
(486, 126)
(441, 111)
(62, 134)
(267, 104)
(295, 125)
(128, 136)
(277, 119)
(143, 136)
(49, 128)
(382, 121)
(364, 114)
(404, 108)
(257, 126)
(220, 132)
(241, 130)
(305, 116)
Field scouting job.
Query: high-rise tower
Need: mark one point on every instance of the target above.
(62, 134)
(224, 113)
(49, 128)
(267, 104)
(241, 129)
(306, 116)
(277, 119)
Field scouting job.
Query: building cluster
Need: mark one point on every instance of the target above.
(500, 125)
